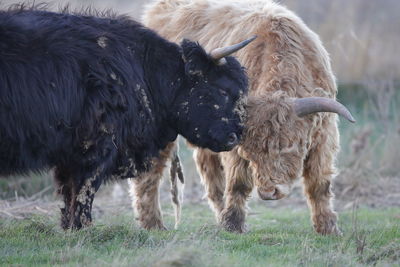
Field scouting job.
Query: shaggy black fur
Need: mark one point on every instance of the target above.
(98, 97)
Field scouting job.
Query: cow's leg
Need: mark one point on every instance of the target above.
(212, 176)
(66, 190)
(79, 181)
(78, 194)
(319, 170)
(144, 190)
(238, 189)
(81, 207)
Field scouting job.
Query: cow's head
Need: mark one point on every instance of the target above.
(210, 111)
(276, 139)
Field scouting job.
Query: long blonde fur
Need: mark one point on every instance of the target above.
(286, 61)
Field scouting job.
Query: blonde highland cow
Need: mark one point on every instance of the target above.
(285, 138)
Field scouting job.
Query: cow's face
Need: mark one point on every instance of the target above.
(272, 180)
(274, 143)
(211, 109)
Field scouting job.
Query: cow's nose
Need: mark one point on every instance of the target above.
(232, 139)
(280, 191)
(267, 195)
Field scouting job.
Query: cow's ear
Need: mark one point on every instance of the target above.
(195, 58)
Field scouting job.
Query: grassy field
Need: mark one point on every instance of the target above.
(362, 37)
(278, 237)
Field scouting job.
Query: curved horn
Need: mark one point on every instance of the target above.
(222, 52)
(308, 105)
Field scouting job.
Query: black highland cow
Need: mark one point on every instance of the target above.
(97, 98)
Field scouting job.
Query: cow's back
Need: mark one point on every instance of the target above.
(63, 77)
(286, 56)
(39, 92)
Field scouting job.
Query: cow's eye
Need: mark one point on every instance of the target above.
(223, 93)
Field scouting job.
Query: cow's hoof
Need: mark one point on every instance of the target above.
(327, 226)
(154, 226)
(65, 219)
(239, 229)
(160, 228)
(336, 231)
(331, 230)
(233, 221)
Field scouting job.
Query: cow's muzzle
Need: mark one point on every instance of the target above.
(275, 193)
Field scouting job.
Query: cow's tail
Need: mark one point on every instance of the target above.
(176, 171)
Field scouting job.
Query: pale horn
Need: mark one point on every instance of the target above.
(309, 105)
(219, 54)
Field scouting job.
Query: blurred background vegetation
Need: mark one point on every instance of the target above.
(362, 38)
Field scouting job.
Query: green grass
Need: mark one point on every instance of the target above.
(280, 237)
